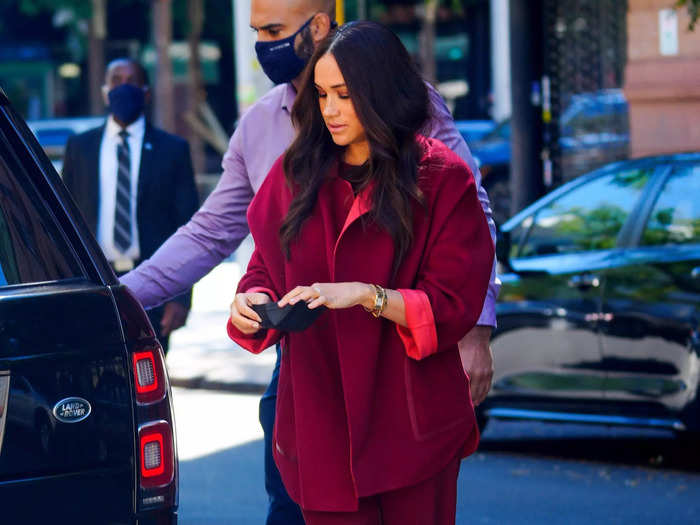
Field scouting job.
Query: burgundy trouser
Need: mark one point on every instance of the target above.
(431, 502)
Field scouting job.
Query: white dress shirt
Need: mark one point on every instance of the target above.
(108, 186)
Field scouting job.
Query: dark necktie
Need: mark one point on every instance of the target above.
(122, 212)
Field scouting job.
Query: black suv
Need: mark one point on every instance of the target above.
(599, 313)
(86, 427)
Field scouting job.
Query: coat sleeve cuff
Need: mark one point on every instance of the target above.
(262, 289)
(261, 339)
(419, 337)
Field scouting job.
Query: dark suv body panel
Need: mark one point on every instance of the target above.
(69, 452)
(606, 330)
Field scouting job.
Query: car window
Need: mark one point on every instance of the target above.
(675, 218)
(32, 249)
(589, 217)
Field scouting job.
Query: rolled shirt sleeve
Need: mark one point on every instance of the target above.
(211, 235)
(218, 228)
(419, 336)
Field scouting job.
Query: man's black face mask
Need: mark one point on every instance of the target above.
(126, 102)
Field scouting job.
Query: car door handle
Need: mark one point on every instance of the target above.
(695, 272)
(584, 280)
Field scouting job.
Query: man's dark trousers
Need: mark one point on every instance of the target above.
(282, 510)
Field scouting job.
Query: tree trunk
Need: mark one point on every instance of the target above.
(97, 32)
(196, 93)
(526, 30)
(164, 103)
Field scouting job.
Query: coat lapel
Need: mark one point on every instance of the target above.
(361, 204)
(146, 167)
(146, 173)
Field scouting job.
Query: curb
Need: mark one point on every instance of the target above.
(202, 383)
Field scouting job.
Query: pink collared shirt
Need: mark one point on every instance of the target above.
(217, 229)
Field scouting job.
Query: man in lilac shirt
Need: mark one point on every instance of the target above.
(285, 28)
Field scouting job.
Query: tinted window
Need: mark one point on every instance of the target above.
(588, 217)
(675, 218)
(32, 249)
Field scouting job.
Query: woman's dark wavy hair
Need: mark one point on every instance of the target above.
(391, 101)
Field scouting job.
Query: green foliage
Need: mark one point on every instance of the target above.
(594, 229)
(693, 10)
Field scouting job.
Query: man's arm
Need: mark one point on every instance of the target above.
(210, 236)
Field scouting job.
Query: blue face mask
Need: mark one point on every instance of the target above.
(126, 102)
(278, 58)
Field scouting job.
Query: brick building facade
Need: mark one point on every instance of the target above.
(663, 90)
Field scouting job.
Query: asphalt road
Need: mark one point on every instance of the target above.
(523, 473)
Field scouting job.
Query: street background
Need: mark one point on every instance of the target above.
(543, 91)
(523, 472)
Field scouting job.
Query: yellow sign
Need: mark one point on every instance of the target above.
(340, 11)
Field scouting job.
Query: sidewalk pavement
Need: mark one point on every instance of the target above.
(201, 354)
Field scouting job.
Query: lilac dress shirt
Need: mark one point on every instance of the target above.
(216, 230)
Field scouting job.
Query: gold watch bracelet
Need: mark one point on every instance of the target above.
(380, 299)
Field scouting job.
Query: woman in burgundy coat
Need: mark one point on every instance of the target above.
(383, 228)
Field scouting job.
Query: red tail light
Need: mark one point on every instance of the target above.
(149, 375)
(157, 459)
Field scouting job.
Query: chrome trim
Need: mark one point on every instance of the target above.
(4, 398)
(153, 423)
(568, 417)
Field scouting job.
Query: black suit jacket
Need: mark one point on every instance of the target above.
(167, 195)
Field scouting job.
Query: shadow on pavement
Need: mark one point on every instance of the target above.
(523, 473)
(224, 487)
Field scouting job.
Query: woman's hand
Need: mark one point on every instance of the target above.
(331, 295)
(243, 316)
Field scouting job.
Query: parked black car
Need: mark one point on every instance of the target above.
(86, 427)
(599, 313)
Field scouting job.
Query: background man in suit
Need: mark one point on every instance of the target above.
(133, 182)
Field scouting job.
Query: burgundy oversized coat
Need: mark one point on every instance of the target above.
(364, 405)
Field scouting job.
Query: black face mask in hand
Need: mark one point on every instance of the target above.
(126, 102)
(289, 318)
